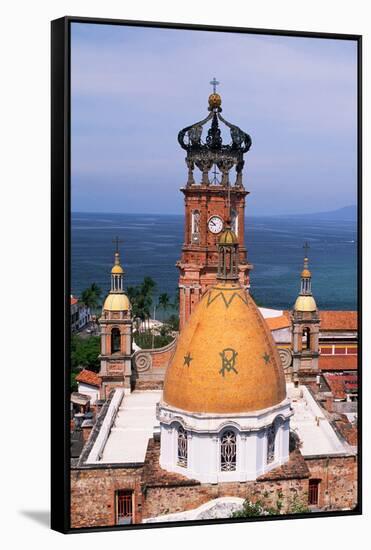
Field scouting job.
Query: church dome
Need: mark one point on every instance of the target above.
(306, 273)
(117, 269)
(226, 360)
(305, 303)
(228, 237)
(117, 302)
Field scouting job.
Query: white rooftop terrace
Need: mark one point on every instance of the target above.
(131, 420)
(311, 425)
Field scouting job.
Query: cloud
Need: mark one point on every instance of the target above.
(133, 89)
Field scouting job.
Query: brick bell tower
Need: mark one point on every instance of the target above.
(305, 330)
(116, 334)
(210, 202)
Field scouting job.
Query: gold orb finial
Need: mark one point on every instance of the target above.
(215, 101)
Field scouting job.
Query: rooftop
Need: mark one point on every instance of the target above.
(312, 426)
(89, 377)
(338, 320)
(132, 428)
(338, 362)
(341, 385)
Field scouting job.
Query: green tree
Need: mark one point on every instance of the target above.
(164, 301)
(260, 508)
(91, 296)
(173, 322)
(85, 353)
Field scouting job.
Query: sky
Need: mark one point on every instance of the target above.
(133, 89)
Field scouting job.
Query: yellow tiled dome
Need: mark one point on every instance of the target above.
(116, 302)
(226, 360)
(306, 273)
(305, 303)
(117, 269)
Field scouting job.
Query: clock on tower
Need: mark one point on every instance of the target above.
(210, 202)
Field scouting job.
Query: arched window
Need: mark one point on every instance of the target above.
(182, 447)
(234, 220)
(271, 440)
(195, 226)
(115, 340)
(228, 451)
(306, 338)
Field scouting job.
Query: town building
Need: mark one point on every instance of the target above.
(79, 314)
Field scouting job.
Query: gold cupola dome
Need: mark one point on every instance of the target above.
(228, 237)
(305, 302)
(117, 300)
(226, 360)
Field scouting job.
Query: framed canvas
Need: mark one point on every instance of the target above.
(206, 274)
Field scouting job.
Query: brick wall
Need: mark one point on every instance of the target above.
(338, 481)
(93, 495)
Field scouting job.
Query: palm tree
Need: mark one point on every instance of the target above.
(164, 301)
(90, 296)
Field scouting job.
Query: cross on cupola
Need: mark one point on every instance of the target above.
(117, 273)
(306, 248)
(214, 83)
(117, 241)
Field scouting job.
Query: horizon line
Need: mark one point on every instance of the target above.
(182, 214)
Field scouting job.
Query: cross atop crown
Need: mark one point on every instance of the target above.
(306, 247)
(214, 84)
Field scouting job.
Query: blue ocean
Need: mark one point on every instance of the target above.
(152, 244)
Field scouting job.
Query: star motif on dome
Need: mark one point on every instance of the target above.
(187, 359)
(267, 358)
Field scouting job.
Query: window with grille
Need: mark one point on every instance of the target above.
(271, 443)
(115, 340)
(228, 451)
(313, 492)
(182, 447)
(124, 507)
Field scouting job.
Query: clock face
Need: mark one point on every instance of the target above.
(215, 224)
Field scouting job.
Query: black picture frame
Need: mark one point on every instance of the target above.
(61, 257)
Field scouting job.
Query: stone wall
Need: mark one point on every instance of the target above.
(167, 493)
(338, 481)
(149, 366)
(93, 494)
(167, 500)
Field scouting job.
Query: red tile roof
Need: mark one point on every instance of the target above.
(276, 323)
(73, 300)
(338, 320)
(338, 362)
(340, 384)
(89, 377)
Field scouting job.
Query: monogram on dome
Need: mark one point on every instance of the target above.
(205, 147)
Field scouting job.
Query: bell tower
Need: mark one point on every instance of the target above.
(305, 329)
(210, 201)
(116, 334)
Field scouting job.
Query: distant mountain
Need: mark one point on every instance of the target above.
(347, 213)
